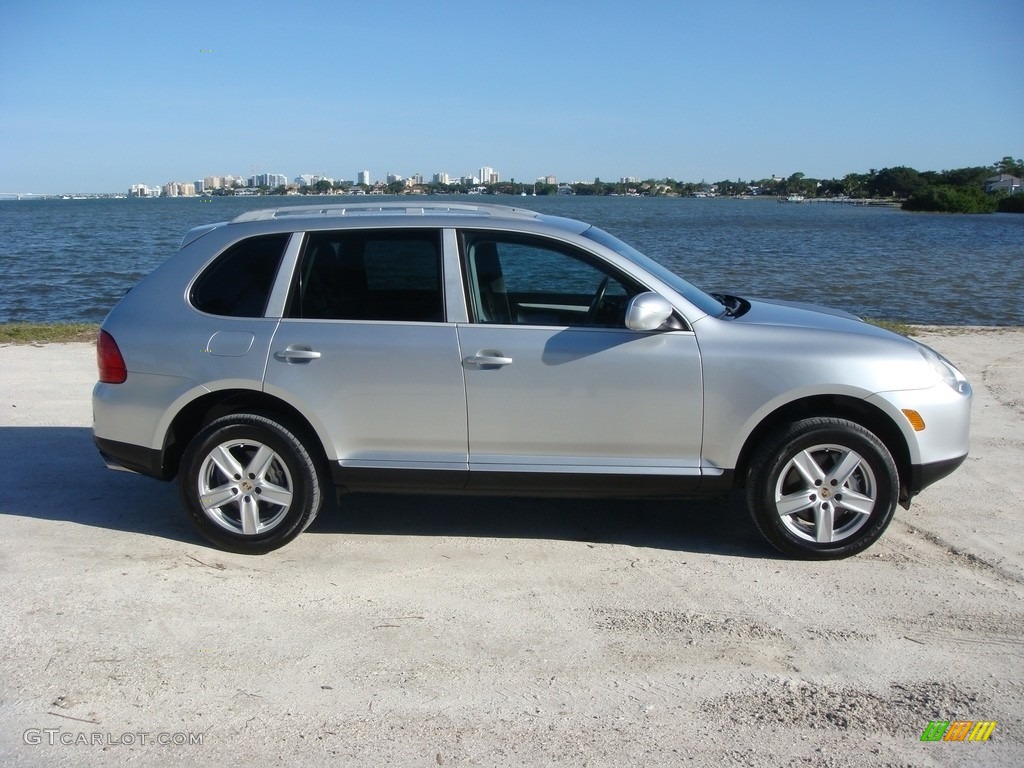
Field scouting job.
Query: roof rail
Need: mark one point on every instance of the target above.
(392, 208)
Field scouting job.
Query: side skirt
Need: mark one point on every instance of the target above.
(547, 484)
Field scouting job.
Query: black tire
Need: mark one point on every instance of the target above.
(823, 489)
(249, 484)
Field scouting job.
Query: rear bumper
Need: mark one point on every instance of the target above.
(132, 458)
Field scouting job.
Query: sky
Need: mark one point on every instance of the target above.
(97, 95)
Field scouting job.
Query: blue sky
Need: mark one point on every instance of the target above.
(96, 96)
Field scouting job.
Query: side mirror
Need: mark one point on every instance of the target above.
(647, 312)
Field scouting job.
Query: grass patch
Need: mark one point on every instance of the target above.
(46, 333)
(891, 325)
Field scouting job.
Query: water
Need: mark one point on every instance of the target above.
(70, 260)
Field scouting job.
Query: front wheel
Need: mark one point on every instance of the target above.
(249, 484)
(823, 489)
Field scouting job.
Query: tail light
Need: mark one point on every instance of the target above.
(109, 359)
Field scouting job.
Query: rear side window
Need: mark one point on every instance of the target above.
(370, 275)
(238, 283)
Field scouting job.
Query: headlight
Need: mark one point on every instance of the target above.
(945, 370)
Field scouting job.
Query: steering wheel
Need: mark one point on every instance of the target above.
(595, 304)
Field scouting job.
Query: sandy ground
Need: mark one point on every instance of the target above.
(436, 631)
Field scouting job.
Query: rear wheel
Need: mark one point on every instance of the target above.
(249, 484)
(823, 489)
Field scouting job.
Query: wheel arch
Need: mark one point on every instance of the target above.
(191, 419)
(852, 409)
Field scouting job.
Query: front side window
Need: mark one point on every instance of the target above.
(531, 281)
(238, 282)
(369, 275)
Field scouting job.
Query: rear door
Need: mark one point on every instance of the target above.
(365, 352)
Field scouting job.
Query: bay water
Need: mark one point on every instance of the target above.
(71, 260)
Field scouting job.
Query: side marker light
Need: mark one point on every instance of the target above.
(915, 419)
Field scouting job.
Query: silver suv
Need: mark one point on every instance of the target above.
(492, 350)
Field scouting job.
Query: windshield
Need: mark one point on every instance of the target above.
(690, 292)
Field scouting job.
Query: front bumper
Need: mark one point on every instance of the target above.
(923, 475)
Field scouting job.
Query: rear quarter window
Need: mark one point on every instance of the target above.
(239, 281)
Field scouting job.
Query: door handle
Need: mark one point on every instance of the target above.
(488, 358)
(296, 353)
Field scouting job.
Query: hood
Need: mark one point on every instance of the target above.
(796, 314)
(806, 307)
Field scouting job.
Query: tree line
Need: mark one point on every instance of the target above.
(961, 190)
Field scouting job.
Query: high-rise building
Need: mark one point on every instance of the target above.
(179, 189)
(270, 180)
(363, 178)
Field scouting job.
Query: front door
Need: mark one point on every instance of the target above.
(557, 385)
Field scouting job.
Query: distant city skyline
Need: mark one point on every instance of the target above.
(98, 96)
(485, 175)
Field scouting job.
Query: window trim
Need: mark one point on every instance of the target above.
(278, 302)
